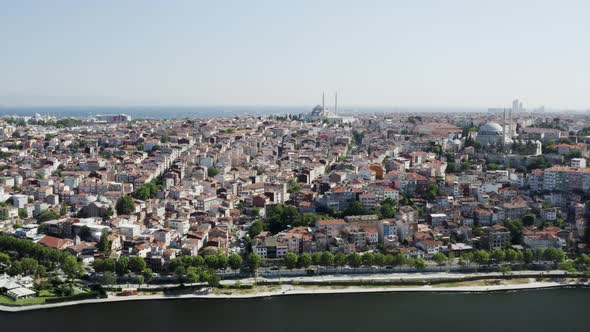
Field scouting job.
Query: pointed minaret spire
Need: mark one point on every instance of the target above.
(504, 130)
(510, 134)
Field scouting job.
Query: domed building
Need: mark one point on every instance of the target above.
(492, 133)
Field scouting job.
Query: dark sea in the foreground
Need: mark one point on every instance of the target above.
(535, 310)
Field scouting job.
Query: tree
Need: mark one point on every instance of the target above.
(553, 254)
(208, 251)
(125, 205)
(103, 265)
(420, 264)
(340, 259)
(354, 209)
(379, 259)
(358, 137)
(29, 265)
(108, 214)
(305, 260)
(354, 260)
(567, 266)
(147, 275)
(481, 257)
(212, 262)
(389, 260)
(368, 259)
(290, 260)
(439, 258)
(140, 280)
(180, 271)
(142, 193)
(137, 264)
(254, 261)
(505, 269)
(294, 187)
(222, 261)
(4, 259)
(510, 255)
(71, 267)
(108, 278)
(432, 192)
(191, 277)
(497, 255)
(22, 213)
(15, 268)
(104, 244)
(515, 227)
(387, 208)
(47, 215)
(122, 266)
(279, 217)
(235, 261)
(316, 258)
(528, 256)
(528, 219)
(255, 229)
(197, 261)
(327, 259)
(212, 172)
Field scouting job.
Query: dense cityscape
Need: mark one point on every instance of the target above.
(93, 203)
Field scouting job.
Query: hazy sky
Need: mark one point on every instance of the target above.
(249, 52)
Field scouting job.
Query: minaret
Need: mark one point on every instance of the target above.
(335, 102)
(504, 130)
(510, 134)
(323, 105)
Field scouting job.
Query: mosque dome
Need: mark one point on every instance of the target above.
(490, 133)
(491, 128)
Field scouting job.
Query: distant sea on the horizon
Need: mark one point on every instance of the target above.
(162, 112)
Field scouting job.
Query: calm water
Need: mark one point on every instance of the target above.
(544, 310)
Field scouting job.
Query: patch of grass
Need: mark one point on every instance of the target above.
(5, 300)
(46, 293)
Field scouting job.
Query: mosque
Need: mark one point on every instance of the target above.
(322, 113)
(491, 134)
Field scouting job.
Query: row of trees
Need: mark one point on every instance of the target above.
(190, 269)
(193, 269)
(26, 266)
(218, 261)
(355, 260)
(19, 249)
(481, 257)
(121, 266)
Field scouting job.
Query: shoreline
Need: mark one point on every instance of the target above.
(290, 290)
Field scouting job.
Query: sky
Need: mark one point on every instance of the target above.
(374, 53)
